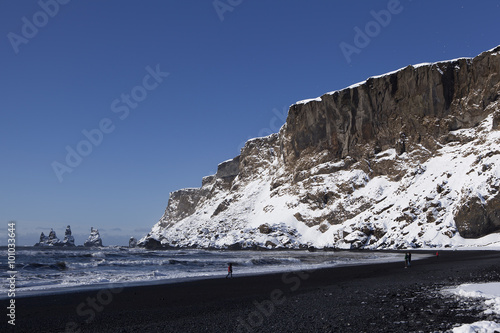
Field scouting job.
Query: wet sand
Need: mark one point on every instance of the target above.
(369, 298)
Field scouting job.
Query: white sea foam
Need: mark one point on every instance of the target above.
(98, 255)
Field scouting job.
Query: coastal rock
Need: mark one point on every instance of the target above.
(132, 242)
(69, 240)
(43, 239)
(478, 218)
(396, 161)
(50, 240)
(152, 244)
(94, 239)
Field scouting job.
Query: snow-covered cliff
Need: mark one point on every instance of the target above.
(406, 159)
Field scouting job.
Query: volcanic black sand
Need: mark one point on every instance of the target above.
(370, 298)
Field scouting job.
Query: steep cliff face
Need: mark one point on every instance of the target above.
(406, 159)
(412, 106)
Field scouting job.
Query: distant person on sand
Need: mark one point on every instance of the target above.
(406, 260)
(409, 259)
(229, 271)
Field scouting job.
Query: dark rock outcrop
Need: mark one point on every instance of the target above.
(152, 244)
(229, 169)
(476, 219)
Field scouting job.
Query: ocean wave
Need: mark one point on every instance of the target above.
(60, 265)
(98, 255)
(274, 261)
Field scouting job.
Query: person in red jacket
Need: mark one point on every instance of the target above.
(229, 271)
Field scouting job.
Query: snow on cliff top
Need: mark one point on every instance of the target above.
(355, 85)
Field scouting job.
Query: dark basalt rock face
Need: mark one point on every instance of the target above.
(476, 219)
(229, 169)
(416, 105)
(152, 244)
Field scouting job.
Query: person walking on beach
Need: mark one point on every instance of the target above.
(229, 271)
(406, 260)
(409, 259)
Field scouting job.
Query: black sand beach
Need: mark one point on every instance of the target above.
(370, 298)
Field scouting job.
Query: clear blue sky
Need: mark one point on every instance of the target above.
(232, 73)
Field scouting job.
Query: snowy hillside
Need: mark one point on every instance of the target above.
(370, 166)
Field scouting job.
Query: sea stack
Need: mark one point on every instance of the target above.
(132, 242)
(69, 240)
(50, 240)
(94, 239)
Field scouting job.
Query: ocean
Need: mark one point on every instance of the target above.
(42, 270)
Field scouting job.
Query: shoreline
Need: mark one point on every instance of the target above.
(337, 299)
(55, 290)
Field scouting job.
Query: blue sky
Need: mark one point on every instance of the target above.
(166, 90)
